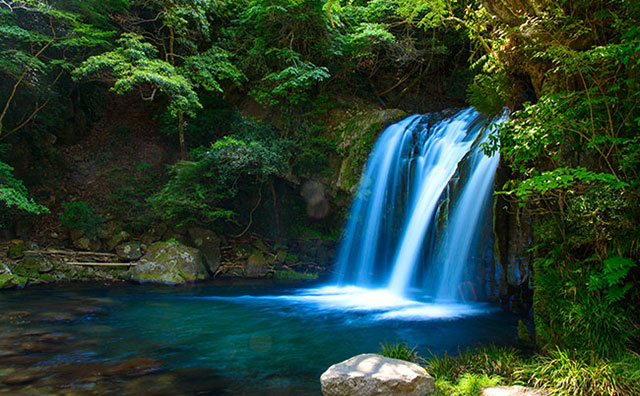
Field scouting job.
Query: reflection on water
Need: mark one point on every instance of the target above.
(244, 338)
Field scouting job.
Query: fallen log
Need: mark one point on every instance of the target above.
(99, 264)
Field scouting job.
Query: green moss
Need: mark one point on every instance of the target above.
(15, 251)
(293, 275)
(523, 332)
(359, 136)
(9, 281)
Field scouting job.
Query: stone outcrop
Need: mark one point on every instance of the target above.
(209, 245)
(170, 263)
(129, 251)
(375, 375)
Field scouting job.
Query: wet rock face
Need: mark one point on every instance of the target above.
(129, 251)
(170, 263)
(257, 265)
(209, 244)
(375, 375)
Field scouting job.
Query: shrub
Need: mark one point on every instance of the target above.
(80, 215)
(563, 373)
(399, 350)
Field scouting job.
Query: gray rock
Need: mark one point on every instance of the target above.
(257, 266)
(36, 262)
(209, 244)
(117, 239)
(170, 263)
(129, 251)
(82, 243)
(375, 375)
(511, 391)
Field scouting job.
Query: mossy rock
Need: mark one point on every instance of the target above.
(9, 280)
(359, 135)
(16, 251)
(169, 263)
(294, 275)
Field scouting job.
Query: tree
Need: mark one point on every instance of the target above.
(40, 43)
(172, 55)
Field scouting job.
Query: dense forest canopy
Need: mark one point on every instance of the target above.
(245, 89)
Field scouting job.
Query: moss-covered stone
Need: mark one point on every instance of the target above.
(9, 280)
(16, 251)
(170, 263)
(294, 275)
(359, 135)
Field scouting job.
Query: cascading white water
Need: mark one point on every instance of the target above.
(403, 194)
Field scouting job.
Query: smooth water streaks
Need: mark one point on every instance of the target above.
(400, 222)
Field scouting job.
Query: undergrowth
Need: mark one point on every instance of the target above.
(558, 372)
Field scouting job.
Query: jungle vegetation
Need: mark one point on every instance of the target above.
(244, 90)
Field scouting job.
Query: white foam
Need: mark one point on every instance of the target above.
(382, 304)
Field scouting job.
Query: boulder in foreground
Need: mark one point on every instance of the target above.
(375, 375)
(169, 263)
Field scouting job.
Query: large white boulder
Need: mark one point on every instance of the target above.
(375, 375)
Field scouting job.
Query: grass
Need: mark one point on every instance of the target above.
(558, 372)
(293, 275)
(399, 350)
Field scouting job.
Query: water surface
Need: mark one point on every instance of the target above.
(219, 338)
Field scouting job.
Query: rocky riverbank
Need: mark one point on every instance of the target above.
(196, 255)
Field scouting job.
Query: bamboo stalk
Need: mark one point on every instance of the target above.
(102, 264)
(69, 252)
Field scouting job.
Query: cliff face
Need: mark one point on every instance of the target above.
(510, 280)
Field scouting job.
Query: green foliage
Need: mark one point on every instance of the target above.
(291, 84)
(134, 64)
(565, 374)
(293, 275)
(13, 194)
(81, 215)
(613, 280)
(492, 361)
(574, 154)
(399, 350)
(202, 190)
(467, 385)
(489, 93)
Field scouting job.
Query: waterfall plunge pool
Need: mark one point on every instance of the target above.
(218, 338)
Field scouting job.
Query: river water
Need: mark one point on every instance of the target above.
(217, 338)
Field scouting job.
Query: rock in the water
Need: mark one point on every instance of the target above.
(134, 368)
(9, 280)
(129, 251)
(170, 263)
(257, 266)
(511, 391)
(209, 244)
(375, 375)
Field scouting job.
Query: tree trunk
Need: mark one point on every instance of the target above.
(275, 209)
(183, 147)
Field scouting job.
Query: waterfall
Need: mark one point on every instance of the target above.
(423, 197)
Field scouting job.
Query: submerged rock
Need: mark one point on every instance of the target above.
(134, 368)
(375, 375)
(170, 263)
